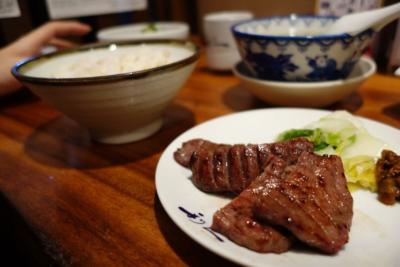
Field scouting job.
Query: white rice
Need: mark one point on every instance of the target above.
(119, 61)
(108, 61)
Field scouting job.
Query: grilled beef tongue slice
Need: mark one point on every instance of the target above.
(239, 223)
(231, 168)
(309, 198)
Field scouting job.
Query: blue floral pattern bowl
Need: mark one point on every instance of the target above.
(293, 48)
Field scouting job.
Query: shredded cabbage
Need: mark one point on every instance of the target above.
(360, 172)
(342, 134)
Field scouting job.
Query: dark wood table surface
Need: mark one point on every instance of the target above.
(90, 204)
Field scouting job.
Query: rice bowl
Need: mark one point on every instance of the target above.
(108, 61)
(117, 108)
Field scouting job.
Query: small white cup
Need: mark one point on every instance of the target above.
(221, 51)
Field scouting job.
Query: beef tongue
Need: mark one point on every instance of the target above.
(239, 223)
(309, 198)
(231, 168)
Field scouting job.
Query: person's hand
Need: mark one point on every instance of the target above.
(31, 44)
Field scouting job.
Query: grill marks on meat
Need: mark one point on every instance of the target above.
(240, 223)
(309, 198)
(286, 192)
(231, 168)
(184, 154)
(236, 221)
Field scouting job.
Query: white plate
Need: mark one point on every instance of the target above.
(375, 233)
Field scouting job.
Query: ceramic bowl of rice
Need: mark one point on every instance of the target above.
(118, 91)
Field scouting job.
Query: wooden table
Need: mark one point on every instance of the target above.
(89, 204)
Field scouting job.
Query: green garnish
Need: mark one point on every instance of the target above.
(343, 135)
(151, 27)
(294, 133)
(321, 139)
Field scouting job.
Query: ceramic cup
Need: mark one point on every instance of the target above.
(222, 53)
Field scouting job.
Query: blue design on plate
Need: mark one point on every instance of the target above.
(326, 68)
(303, 43)
(347, 41)
(271, 57)
(193, 217)
(197, 218)
(327, 42)
(270, 67)
(211, 231)
(282, 43)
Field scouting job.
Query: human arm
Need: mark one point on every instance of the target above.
(31, 44)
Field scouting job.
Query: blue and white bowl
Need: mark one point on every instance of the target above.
(294, 48)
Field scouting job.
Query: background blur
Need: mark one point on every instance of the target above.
(35, 12)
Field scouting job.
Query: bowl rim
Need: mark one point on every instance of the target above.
(106, 78)
(170, 27)
(310, 85)
(238, 33)
(228, 15)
